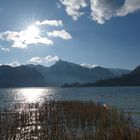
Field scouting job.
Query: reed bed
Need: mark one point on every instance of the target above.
(65, 120)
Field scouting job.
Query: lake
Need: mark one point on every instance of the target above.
(125, 98)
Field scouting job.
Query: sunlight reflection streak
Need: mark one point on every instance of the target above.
(32, 95)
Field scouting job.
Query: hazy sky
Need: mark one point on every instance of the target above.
(93, 32)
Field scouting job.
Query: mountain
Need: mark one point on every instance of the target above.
(136, 70)
(21, 76)
(66, 72)
(131, 79)
(118, 72)
(56, 75)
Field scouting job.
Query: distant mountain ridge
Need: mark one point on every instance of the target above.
(56, 75)
(131, 79)
(118, 72)
(69, 72)
(66, 72)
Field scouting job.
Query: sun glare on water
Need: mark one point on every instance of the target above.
(32, 95)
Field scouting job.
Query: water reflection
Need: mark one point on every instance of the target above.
(32, 95)
(125, 98)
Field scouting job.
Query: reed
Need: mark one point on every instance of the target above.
(65, 120)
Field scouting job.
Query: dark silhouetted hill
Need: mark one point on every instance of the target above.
(21, 76)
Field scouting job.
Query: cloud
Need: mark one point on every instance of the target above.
(33, 35)
(14, 64)
(4, 49)
(36, 60)
(47, 59)
(88, 65)
(73, 7)
(51, 58)
(62, 34)
(130, 6)
(25, 38)
(101, 10)
(50, 22)
(58, 5)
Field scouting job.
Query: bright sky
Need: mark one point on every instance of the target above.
(89, 32)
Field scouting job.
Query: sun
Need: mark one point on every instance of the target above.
(30, 35)
(32, 31)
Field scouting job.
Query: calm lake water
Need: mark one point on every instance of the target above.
(126, 98)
